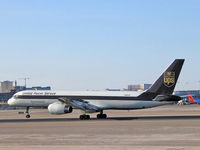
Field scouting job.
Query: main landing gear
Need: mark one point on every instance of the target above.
(84, 117)
(27, 113)
(101, 115)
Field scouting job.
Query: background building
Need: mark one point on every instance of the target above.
(7, 90)
(6, 86)
(108, 89)
(195, 93)
(136, 87)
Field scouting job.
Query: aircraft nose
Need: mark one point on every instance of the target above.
(11, 101)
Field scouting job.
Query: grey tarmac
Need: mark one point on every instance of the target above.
(162, 128)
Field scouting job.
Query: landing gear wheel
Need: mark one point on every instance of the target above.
(28, 116)
(98, 116)
(104, 116)
(101, 116)
(87, 116)
(84, 117)
(27, 112)
(81, 117)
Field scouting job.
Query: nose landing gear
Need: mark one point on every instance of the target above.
(27, 113)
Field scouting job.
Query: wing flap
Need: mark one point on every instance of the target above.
(80, 104)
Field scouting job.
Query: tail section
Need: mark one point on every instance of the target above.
(193, 100)
(166, 82)
(190, 98)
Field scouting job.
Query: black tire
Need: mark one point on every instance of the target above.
(101, 116)
(84, 117)
(28, 116)
(88, 117)
(98, 116)
(81, 117)
(104, 116)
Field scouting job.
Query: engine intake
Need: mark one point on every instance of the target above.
(59, 108)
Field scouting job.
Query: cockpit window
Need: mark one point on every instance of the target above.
(15, 96)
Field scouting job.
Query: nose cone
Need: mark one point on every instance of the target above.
(11, 101)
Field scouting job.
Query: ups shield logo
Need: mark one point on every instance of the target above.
(169, 79)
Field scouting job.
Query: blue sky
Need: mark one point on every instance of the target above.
(90, 44)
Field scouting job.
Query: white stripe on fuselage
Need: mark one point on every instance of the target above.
(80, 93)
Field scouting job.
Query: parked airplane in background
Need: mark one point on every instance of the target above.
(192, 100)
(160, 93)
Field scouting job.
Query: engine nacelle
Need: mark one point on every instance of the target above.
(59, 108)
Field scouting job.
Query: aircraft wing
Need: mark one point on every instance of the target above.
(80, 104)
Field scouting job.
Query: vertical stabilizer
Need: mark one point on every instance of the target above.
(166, 82)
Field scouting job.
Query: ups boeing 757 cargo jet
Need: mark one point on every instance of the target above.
(160, 93)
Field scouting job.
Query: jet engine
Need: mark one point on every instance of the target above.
(59, 108)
